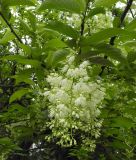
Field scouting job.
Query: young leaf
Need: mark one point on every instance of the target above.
(73, 6)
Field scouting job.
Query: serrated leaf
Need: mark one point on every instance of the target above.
(104, 3)
(63, 29)
(18, 94)
(74, 6)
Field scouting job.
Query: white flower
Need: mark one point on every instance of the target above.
(72, 95)
(70, 73)
(71, 59)
(54, 80)
(65, 68)
(66, 84)
(80, 101)
(46, 93)
(84, 64)
(62, 96)
(63, 110)
(81, 87)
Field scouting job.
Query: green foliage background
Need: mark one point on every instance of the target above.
(35, 38)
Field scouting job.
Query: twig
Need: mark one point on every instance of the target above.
(9, 25)
(83, 22)
(112, 40)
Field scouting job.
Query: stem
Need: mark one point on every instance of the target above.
(12, 30)
(83, 23)
(112, 40)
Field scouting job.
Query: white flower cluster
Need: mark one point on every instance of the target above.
(101, 21)
(74, 104)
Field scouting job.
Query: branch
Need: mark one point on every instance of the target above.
(83, 22)
(112, 40)
(128, 7)
(9, 25)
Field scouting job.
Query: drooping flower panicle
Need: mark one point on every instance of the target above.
(74, 104)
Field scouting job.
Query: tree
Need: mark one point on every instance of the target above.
(67, 79)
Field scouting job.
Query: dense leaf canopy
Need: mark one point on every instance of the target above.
(67, 79)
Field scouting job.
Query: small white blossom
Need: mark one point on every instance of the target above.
(80, 101)
(71, 59)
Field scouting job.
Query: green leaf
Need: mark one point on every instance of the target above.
(95, 11)
(131, 56)
(55, 43)
(22, 60)
(122, 122)
(18, 2)
(106, 34)
(101, 61)
(17, 108)
(119, 145)
(5, 141)
(24, 76)
(104, 3)
(111, 52)
(18, 94)
(57, 56)
(130, 44)
(32, 19)
(131, 26)
(63, 29)
(26, 48)
(74, 6)
(27, 30)
(9, 36)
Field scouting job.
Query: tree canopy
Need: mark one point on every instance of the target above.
(67, 79)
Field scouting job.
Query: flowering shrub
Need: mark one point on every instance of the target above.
(74, 105)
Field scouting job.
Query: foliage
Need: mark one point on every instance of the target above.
(67, 79)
